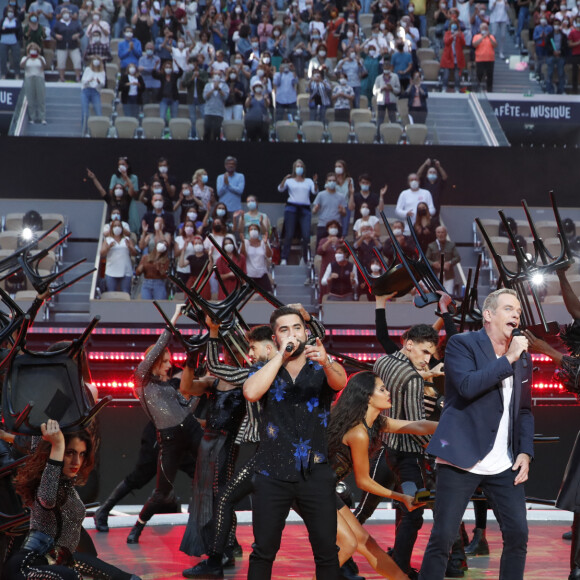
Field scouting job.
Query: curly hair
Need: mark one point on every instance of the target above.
(350, 410)
(29, 475)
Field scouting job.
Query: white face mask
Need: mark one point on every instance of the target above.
(132, 70)
(187, 192)
(96, 62)
(375, 268)
(161, 247)
(254, 234)
(365, 211)
(157, 226)
(397, 232)
(118, 193)
(299, 170)
(117, 230)
(128, 35)
(220, 212)
(115, 217)
(191, 215)
(252, 205)
(330, 185)
(158, 190)
(339, 257)
(181, 45)
(198, 248)
(229, 248)
(333, 231)
(342, 81)
(163, 169)
(338, 170)
(266, 60)
(122, 168)
(432, 177)
(414, 184)
(158, 204)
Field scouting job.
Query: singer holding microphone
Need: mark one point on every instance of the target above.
(295, 389)
(485, 435)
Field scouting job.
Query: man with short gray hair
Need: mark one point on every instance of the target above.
(230, 185)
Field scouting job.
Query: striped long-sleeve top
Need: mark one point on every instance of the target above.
(406, 387)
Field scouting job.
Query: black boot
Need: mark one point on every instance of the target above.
(478, 546)
(457, 563)
(133, 537)
(205, 569)
(102, 514)
(349, 571)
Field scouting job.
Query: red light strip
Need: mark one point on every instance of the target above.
(128, 356)
(548, 386)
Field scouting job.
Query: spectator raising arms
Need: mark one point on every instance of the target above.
(117, 249)
(33, 65)
(258, 253)
(154, 266)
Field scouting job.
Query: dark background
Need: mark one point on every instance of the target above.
(36, 168)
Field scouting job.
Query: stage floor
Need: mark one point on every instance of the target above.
(157, 556)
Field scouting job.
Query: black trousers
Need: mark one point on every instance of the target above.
(146, 467)
(212, 127)
(407, 469)
(316, 500)
(174, 443)
(485, 68)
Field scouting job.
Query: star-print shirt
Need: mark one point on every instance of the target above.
(293, 421)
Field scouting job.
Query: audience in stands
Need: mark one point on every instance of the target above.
(557, 52)
(183, 248)
(215, 94)
(252, 216)
(365, 244)
(485, 44)
(410, 198)
(117, 249)
(230, 185)
(340, 276)
(194, 80)
(257, 117)
(257, 251)
(444, 246)
(499, 18)
(343, 98)
(345, 188)
(328, 245)
(10, 39)
(154, 266)
(433, 178)
(197, 263)
(417, 94)
(34, 32)
(67, 33)
(202, 192)
(130, 49)
(452, 58)
(148, 62)
(168, 95)
(373, 201)
(158, 212)
(228, 278)
(132, 87)
(329, 205)
(386, 89)
(366, 219)
(33, 65)
(406, 242)
(424, 226)
(93, 80)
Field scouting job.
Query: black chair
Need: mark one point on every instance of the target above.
(509, 225)
(521, 243)
(48, 385)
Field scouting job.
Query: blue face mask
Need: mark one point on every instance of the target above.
(453, 28)
(204, 178)
(299, 170)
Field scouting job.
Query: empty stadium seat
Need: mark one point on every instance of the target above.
(180, 128)
(391, 133)
(233, 130)
(339, 132)
(153, 127)
(365, 132)
(286, 131)
(99, 126)
(360, 116)
(126, 127)
(313, 131)
(416, 134)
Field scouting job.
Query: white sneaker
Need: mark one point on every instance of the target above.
(283, 262)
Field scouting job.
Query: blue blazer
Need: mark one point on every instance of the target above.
(474, 402)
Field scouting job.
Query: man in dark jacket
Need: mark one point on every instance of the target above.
(557, 52)
(67, 33)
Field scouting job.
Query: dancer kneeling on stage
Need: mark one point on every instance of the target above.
(46, 483)
(171, 411)
(355, 426)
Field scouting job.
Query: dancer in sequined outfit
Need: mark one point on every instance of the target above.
(46, 483)
(171, 410)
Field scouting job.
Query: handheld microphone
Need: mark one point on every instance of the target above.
(524, 355)
(289, 347)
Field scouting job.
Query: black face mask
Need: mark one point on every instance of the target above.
(217, 228)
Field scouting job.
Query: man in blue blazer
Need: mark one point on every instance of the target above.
(485, 435)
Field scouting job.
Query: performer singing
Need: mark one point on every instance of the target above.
(46, 483)
(354, 430)
(295, 390)
(485, 435)
(171, 410)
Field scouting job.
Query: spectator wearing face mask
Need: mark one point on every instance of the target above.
(441, 19)
(154, 266)
(215, 94)
(142, 22)
(168, 181)
(205, 48)
(97, 24)
(452, 58)
(131, 87)
(285, 83)
(424, 226)
(366, 219)
(402, 64)
(264, 30)
(557, 50)
(151, 237)
(574, 58)
(253, 217)
(320, 92)
(343, 99)
(386, 89)
(417, 94)
(433, 178)
(218, 231)
(196, 263)
(354, 69)
(365, 244)
(257, 117)
(34, 32)
(148, 62)
(230, 185)
(33, 65)
(406, 243)
(44, 11)
(374, 201)
(158, 204)
(319, 62)
(372, 63)
(202, 192)
(340, 277)
(168, 95)
(229, 279)
(277, 45)
(190, 207)
(257, 251)
(194, 81)
(117, 249)
(129, 49)
(350, 39)
(541, 33)
(183, 247)
(93, 80)
(180, 54)
(410, 198)
(329, 205)
(10, 39)
(442, 245)
(67, 33)
(484, 44)
(97, 47)
(333, 28)
(329, 244)
(234, 105)
(129, 181)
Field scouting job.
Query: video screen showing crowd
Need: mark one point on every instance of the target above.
(277, 385)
